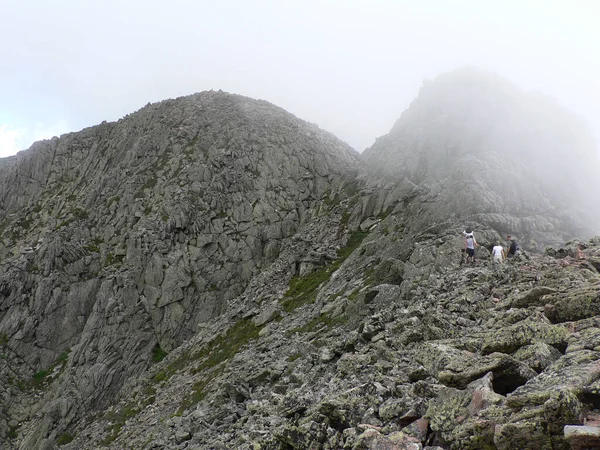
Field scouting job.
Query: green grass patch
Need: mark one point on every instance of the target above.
(149, 184)
(304, 290)
(118, 417)
(64, 439)
(25, 224)
(324, 320)
(64, 223)
(210, 359)
(3, 339)
(158, 354)
(198, 392)
(79, 213)
(113, 259)
(12, 433)
(42, 377)
(226, 345)
(160, 376)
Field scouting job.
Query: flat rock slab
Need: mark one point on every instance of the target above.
(583, 437)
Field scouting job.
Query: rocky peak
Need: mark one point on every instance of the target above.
(494, 154)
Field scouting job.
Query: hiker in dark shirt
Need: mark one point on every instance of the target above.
(513, 247)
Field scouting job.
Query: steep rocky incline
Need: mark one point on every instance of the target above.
(494, 154)
(460, 357)
(123, 240)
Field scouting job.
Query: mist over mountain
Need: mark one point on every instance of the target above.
(213, 272)
(493, 153)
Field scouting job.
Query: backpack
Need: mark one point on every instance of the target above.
(514, 247)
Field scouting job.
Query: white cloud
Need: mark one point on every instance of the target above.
(42, 131)
(11, 140)
(14, 139)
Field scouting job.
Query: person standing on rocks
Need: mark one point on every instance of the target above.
(470, 244)
(498, 254)
(513, 247)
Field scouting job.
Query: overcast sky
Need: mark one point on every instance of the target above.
(350, 66)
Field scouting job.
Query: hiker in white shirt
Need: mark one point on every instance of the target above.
(498, 253)
(470, 244)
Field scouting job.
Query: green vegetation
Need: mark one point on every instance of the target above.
(79, 213)
(91, 248)
(198, 392)
(158, 354)
(41, 378)
(115, 199)
(209, 359)
(64, 223)
(25, 224)
(294, 357)
(149, 184)
(113, 259)
(304, 290)
(351, 188)
(324, 320)
(64, 439)
(12, 433)
(118, 417)
(226, 345)
(3, 339)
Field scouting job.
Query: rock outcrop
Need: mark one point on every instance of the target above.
(212, 272)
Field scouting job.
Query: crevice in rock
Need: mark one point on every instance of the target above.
(506, 382)
(591, 397)
(561, 347)
(370, 296)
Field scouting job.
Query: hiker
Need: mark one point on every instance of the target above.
(498, 254)
(470, 244)
(513, 247)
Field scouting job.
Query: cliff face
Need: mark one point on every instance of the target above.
(495, 155)
(212, 272)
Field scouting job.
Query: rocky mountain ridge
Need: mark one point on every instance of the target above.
(212, 272)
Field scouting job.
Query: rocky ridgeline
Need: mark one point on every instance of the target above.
(212, 272)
